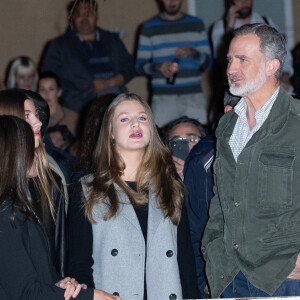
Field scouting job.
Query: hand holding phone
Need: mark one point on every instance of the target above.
(180, 147)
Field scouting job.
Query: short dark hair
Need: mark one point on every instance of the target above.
(272, 43)
(52, 75)
(184, 119)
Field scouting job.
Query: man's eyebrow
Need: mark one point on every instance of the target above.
(242, 57)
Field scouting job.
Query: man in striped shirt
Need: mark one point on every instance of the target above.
(170, 38)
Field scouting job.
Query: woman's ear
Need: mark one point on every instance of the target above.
(59, 92)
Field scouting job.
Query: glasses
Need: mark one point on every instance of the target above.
(192, 139)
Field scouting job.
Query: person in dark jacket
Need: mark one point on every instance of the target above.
(89, 61)
(47, 189)
(198, 179)
(250, 242)
(27, 271)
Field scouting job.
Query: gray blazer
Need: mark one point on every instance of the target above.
(120, 255)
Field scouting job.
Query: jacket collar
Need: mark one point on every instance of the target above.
(127, 212)
(275, 121)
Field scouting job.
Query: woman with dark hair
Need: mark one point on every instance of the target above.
(47, 189)
(61, 118)
(26, 268)
(135, 241)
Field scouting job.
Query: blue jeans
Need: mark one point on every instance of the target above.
(241, 287)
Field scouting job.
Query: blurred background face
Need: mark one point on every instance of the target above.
(172, 7)
(244, 8)
(186, 131)
(49, 90)
(85, 18)
(25, 80)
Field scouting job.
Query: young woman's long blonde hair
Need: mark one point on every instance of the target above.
(12, 103)
(156, 172)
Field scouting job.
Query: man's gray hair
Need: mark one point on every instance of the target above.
(272, 43)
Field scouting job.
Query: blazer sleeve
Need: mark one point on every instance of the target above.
(18, 277)
(80, 240)
(186, 258)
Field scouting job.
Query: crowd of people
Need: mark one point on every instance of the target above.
(105, 197)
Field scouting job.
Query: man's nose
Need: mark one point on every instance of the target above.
(231, 67)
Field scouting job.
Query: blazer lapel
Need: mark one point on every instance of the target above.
(155, 216)
(127, 211)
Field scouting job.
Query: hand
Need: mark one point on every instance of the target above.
(227, 108)
(295, 274)
(71, 286)
(185, 51)
(57, 139)
(100, 295)
(232, 15)
(165, 68)
(104, 84)
(101, 85)
(179, 164)
(206, 290)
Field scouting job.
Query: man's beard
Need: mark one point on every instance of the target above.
(248, 87)
(244, 14)
(172, 12)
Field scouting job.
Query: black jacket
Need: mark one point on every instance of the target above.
(26, 267)
(56, 230)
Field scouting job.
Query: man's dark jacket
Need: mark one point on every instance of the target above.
(66, 57)
(254, 217)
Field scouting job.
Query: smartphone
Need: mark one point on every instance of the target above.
(180, 147)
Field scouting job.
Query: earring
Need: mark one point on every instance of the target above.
(113, 141)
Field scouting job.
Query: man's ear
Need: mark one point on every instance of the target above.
(272, 66)
(59, 92)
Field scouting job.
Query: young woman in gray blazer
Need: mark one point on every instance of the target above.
(128, 228)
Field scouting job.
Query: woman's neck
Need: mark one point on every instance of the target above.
(132, 162)
(55, 108)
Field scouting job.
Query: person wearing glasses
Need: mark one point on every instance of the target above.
(181, 135)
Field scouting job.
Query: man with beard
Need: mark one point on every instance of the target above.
(239, 12)
(251, 242)
(89, 61)
(174, 44)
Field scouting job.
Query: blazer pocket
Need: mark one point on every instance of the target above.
(275, 180)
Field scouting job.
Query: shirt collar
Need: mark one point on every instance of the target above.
(97, 37)
(241, 108)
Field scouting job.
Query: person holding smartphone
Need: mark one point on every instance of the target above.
(181, 135)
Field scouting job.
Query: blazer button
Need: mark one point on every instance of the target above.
(173, 297)
(114, 252)
(169, 253)
(116, 294)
